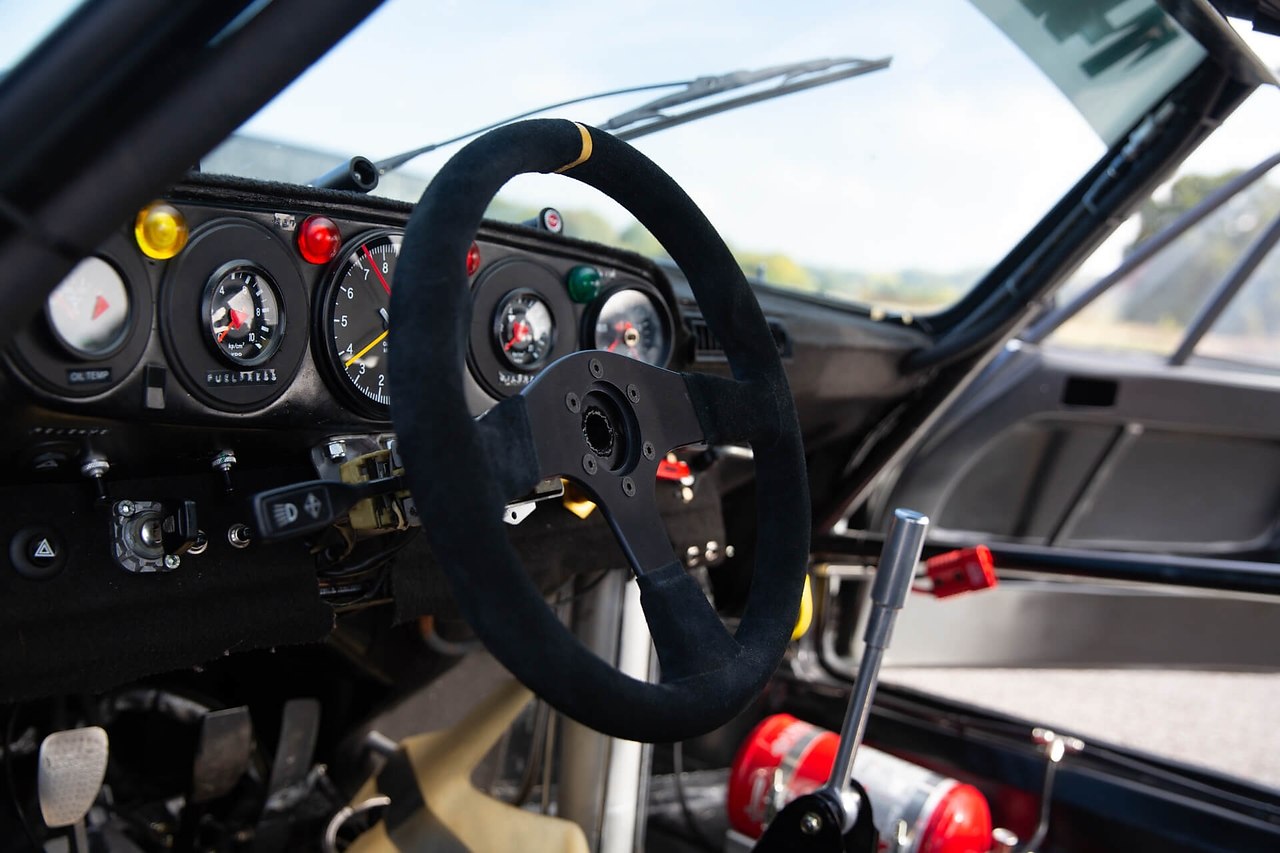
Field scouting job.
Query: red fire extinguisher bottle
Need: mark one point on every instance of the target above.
(915, 809)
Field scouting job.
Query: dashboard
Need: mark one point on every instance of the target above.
(229, 343)
(210, 320)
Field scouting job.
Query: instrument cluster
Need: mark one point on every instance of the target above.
(242, 307)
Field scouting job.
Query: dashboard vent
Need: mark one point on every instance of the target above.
(706, 346)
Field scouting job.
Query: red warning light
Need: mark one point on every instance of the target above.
(473, 259)
(319, 239)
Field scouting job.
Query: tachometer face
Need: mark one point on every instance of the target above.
(523, 330)
(241, 313)
(356, 318)
(630, 322)
(89, 311)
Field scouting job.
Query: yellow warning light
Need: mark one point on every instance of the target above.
(161, 230)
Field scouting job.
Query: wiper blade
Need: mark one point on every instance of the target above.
(795, 77)
(651, 117)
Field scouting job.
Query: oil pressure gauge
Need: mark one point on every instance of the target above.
(241, 314)
(523, 330)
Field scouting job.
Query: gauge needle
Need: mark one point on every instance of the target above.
(373, 343)
(518, 333)
(376, 271)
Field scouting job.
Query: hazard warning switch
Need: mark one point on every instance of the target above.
(37, 552)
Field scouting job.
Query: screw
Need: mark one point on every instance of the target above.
(572, 402)
(124, 509)
(597, 369)
(633, 393)
(810, 823)
(172, 561)
(649, 452)
(589, 464)
(336, 451)
(686, 494)
(629, 487)
(691, 555)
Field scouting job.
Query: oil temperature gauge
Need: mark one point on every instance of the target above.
(523, 330)
(241, 314)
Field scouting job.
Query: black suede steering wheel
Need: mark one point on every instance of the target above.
(463, 471)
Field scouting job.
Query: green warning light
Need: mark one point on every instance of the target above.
(584, 283)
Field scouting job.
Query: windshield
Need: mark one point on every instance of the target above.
(896, 189)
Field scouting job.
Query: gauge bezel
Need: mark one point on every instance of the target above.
(491, 285)
(331, 365)
(209, 377)
(39, 354)
(592, 315)
(495, 326)
(206, 300)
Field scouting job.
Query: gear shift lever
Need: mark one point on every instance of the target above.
(838, 815)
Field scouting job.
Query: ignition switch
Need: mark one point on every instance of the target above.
(151, 536)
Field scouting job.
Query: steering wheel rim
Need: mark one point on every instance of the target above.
(462, 471)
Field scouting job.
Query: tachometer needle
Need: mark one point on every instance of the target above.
(377, 271)
(373, 343)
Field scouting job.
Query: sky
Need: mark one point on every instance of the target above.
(940, 162)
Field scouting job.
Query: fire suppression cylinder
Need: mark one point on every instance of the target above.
(916, 810)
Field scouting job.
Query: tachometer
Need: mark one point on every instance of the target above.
(355, 319)
(632, 322)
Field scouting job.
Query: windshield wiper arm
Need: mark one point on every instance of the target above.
(395, 162)
(795, 77)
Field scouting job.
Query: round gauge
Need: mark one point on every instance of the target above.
(633, 323)
(241, 314)
(355, 316)
(89, 311)
(523, 330)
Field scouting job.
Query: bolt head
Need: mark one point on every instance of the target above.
(589, 463)
(337, 451)
(649, 451)
(597, 369)
(810, 823)
(633, 393)
(124, 508)
(628, 487)
(172, 561)
(572, 403)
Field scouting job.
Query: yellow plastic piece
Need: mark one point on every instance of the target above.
(576, 502)
(161, 230)
(443, 762)
(805, 617)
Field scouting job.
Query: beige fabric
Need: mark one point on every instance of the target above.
(443, 762)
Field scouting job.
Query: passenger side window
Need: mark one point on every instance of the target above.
(1150, 309)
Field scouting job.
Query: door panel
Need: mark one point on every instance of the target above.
(1093, 451)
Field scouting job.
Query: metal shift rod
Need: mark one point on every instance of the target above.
(889, 591)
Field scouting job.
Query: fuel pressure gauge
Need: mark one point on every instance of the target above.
(241, 314)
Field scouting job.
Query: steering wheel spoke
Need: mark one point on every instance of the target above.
(687, 632)
(731, 410)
